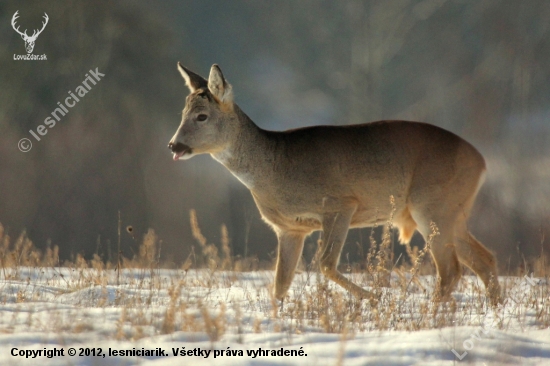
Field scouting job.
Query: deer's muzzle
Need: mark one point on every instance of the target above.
(179, 149)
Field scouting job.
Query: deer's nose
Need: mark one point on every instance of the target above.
(177, 147)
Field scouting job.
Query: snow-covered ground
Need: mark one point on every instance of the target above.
(202, 317)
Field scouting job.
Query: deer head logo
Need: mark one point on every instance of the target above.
(29, 40)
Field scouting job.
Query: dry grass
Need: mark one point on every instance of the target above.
(191, 299)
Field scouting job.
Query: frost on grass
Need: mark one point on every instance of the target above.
(44, 307)
(136, 304)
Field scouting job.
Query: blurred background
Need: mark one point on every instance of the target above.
(477, 68)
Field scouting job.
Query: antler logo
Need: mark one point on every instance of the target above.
(29, 40)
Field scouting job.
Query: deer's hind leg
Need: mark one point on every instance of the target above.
(442, 249)
(479, 259)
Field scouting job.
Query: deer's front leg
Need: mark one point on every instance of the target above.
(335, 230)
(289, 252)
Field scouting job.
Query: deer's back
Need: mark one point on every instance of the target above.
(366, 163)
(366, 152)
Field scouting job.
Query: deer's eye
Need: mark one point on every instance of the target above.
(202, 117)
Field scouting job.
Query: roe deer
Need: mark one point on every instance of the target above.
(333, 178)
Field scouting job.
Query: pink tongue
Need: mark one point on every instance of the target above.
(177, 156)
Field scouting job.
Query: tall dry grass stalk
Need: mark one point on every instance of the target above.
(403, 297)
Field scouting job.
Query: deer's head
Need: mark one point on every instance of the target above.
(29, 40)
(208, 120)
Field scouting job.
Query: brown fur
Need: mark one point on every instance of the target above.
(333, 178)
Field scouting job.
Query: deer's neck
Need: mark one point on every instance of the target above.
(249, 152)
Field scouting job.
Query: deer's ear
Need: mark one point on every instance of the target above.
(192, 80)
(219, 87)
